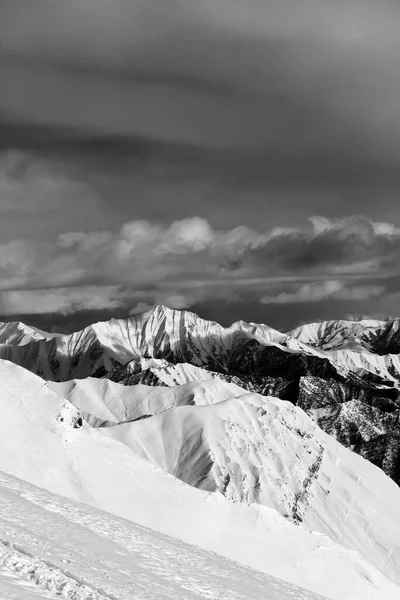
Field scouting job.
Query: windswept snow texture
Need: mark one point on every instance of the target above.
(301, 472)
(52, 547)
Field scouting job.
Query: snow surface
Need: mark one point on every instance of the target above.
(257, 449)
(52, 547)
(362, 362)
(41, 441)
(341, 333)
(15, 332)
(103, 402)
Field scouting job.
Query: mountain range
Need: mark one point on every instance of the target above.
(280, 451)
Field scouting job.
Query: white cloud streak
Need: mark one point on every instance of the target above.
(325, 290)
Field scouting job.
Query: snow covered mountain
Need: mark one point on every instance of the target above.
(18, 333)
(337, 371)
(380, 337)
(45, 442)
(344, 334)
(254, 431)
(175, 336)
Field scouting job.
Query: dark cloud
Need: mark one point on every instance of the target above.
(285, 317)
(278, 108)
(321, 291)
(352, 245)
(295, 77)
(38, 198)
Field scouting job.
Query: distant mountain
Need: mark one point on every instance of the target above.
(378, 337)
(18, 333)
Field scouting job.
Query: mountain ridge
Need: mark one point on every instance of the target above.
(142, 349)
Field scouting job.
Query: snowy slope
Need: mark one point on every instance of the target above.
(171, 374)
(256, 449)
(103, 402)
(201, 448)
(386, 366)
(43, 441)
(18, 333)
(380, 337)
(51, 547)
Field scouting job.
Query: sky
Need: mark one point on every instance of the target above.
(236, 158)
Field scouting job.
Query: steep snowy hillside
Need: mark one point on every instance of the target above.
(44, 441)
(360, 413)
(255, 449)
(51, 547)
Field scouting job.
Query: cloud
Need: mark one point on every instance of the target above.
(332, 246)
(191, 250)
(177, 301)
(30, 184)
(140, 307)
(325, 290)
(187, 262)
(60, 300)
(84, 241)
(282, 75)
(239, 112)
(291, 106)
(37, 197)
